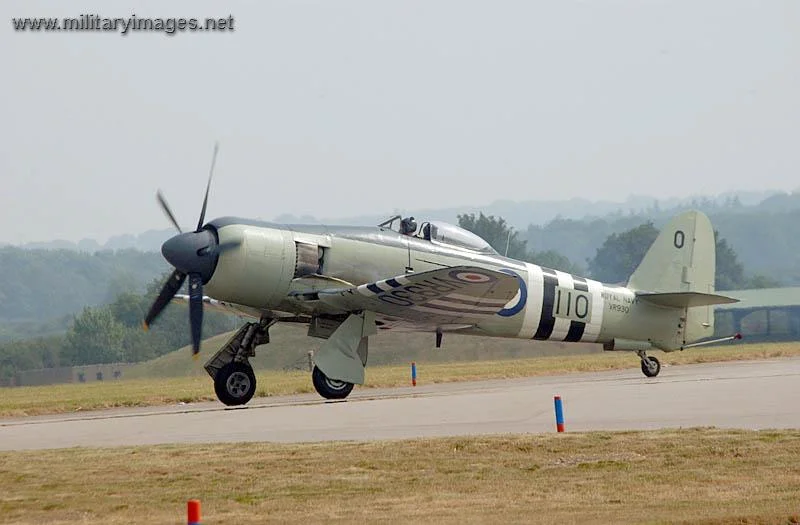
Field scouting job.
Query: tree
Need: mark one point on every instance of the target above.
(111, 333)
(40, 285)
(500, 235)
(95, 337)
(497, 233)
(555, 260)
(129, 309)
(730, 272)
(41, 352)
(621, 253)
(762, 281)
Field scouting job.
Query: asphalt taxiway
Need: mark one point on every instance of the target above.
(748, 395)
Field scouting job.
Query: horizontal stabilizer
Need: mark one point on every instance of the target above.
(685, 299)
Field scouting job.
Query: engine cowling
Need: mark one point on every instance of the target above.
(259, 271)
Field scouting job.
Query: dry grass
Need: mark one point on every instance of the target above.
(24, 401)
(695, 475)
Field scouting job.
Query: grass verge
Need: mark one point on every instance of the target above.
(694, 475)
(26, 401)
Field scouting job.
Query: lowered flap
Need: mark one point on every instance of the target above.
(311, 284)
(459, 295)
(685, 299)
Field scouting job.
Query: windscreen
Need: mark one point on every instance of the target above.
(445, 233)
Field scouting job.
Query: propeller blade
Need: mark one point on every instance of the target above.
(196, 309)
(165, 207)
(208, 187)
(169, 290)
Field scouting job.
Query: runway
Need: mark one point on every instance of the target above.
(748, 395)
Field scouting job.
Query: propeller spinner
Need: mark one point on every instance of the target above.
(193, 255)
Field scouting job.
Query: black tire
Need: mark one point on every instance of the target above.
(235, 384)
(652, 367)
(330, 388)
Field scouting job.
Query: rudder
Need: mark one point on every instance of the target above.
(682, 259)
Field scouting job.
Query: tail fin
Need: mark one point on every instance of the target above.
(682, 259)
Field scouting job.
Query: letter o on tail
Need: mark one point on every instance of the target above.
(679, 239)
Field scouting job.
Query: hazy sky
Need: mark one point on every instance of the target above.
(337, 108)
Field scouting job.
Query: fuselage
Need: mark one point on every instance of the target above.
(551, 305)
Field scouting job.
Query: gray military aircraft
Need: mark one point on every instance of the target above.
(349, 283)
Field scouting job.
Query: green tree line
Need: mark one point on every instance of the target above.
(621, 253)
(111, 334)
(40, 285)
(766, 239)
(615, 259)
(508, 241)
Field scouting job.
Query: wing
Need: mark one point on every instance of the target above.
(222, 306)
(460, 296)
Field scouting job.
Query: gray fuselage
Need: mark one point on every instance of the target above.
(550, 305)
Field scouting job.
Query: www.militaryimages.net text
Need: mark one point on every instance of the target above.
(95, 23)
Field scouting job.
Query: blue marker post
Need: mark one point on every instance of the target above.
(413, 373)
(559, 414)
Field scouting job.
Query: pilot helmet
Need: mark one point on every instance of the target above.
(408, 226)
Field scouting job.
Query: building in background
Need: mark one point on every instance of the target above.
(766, 314)
(70, 374)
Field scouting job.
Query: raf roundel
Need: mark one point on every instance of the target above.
(518, 300)
(471, 277)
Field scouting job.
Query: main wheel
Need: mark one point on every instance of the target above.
(651, 366)
(330, 388)
(235, 384)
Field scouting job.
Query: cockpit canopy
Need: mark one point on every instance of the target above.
(450, 234)
(443, 233)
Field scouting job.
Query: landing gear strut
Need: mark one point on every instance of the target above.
(650, 365)
(234, 380)
(330, 388)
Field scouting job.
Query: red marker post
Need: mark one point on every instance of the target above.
(559, 414)
(193, 512)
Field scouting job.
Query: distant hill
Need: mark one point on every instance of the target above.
(149, 241)
(522, 214)
(517, 214)
(765, 236)
(37, 286)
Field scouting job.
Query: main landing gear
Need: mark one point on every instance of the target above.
(235, 382)
(650, 365)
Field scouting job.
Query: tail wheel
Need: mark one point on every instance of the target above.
(650, 366)
(330, 388)
(235, 384)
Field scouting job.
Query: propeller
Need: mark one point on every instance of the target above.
(208, 187)
(165, 207)
(193, 255)
(168, 291)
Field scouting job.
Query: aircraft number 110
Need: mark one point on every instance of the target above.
(572, 304)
